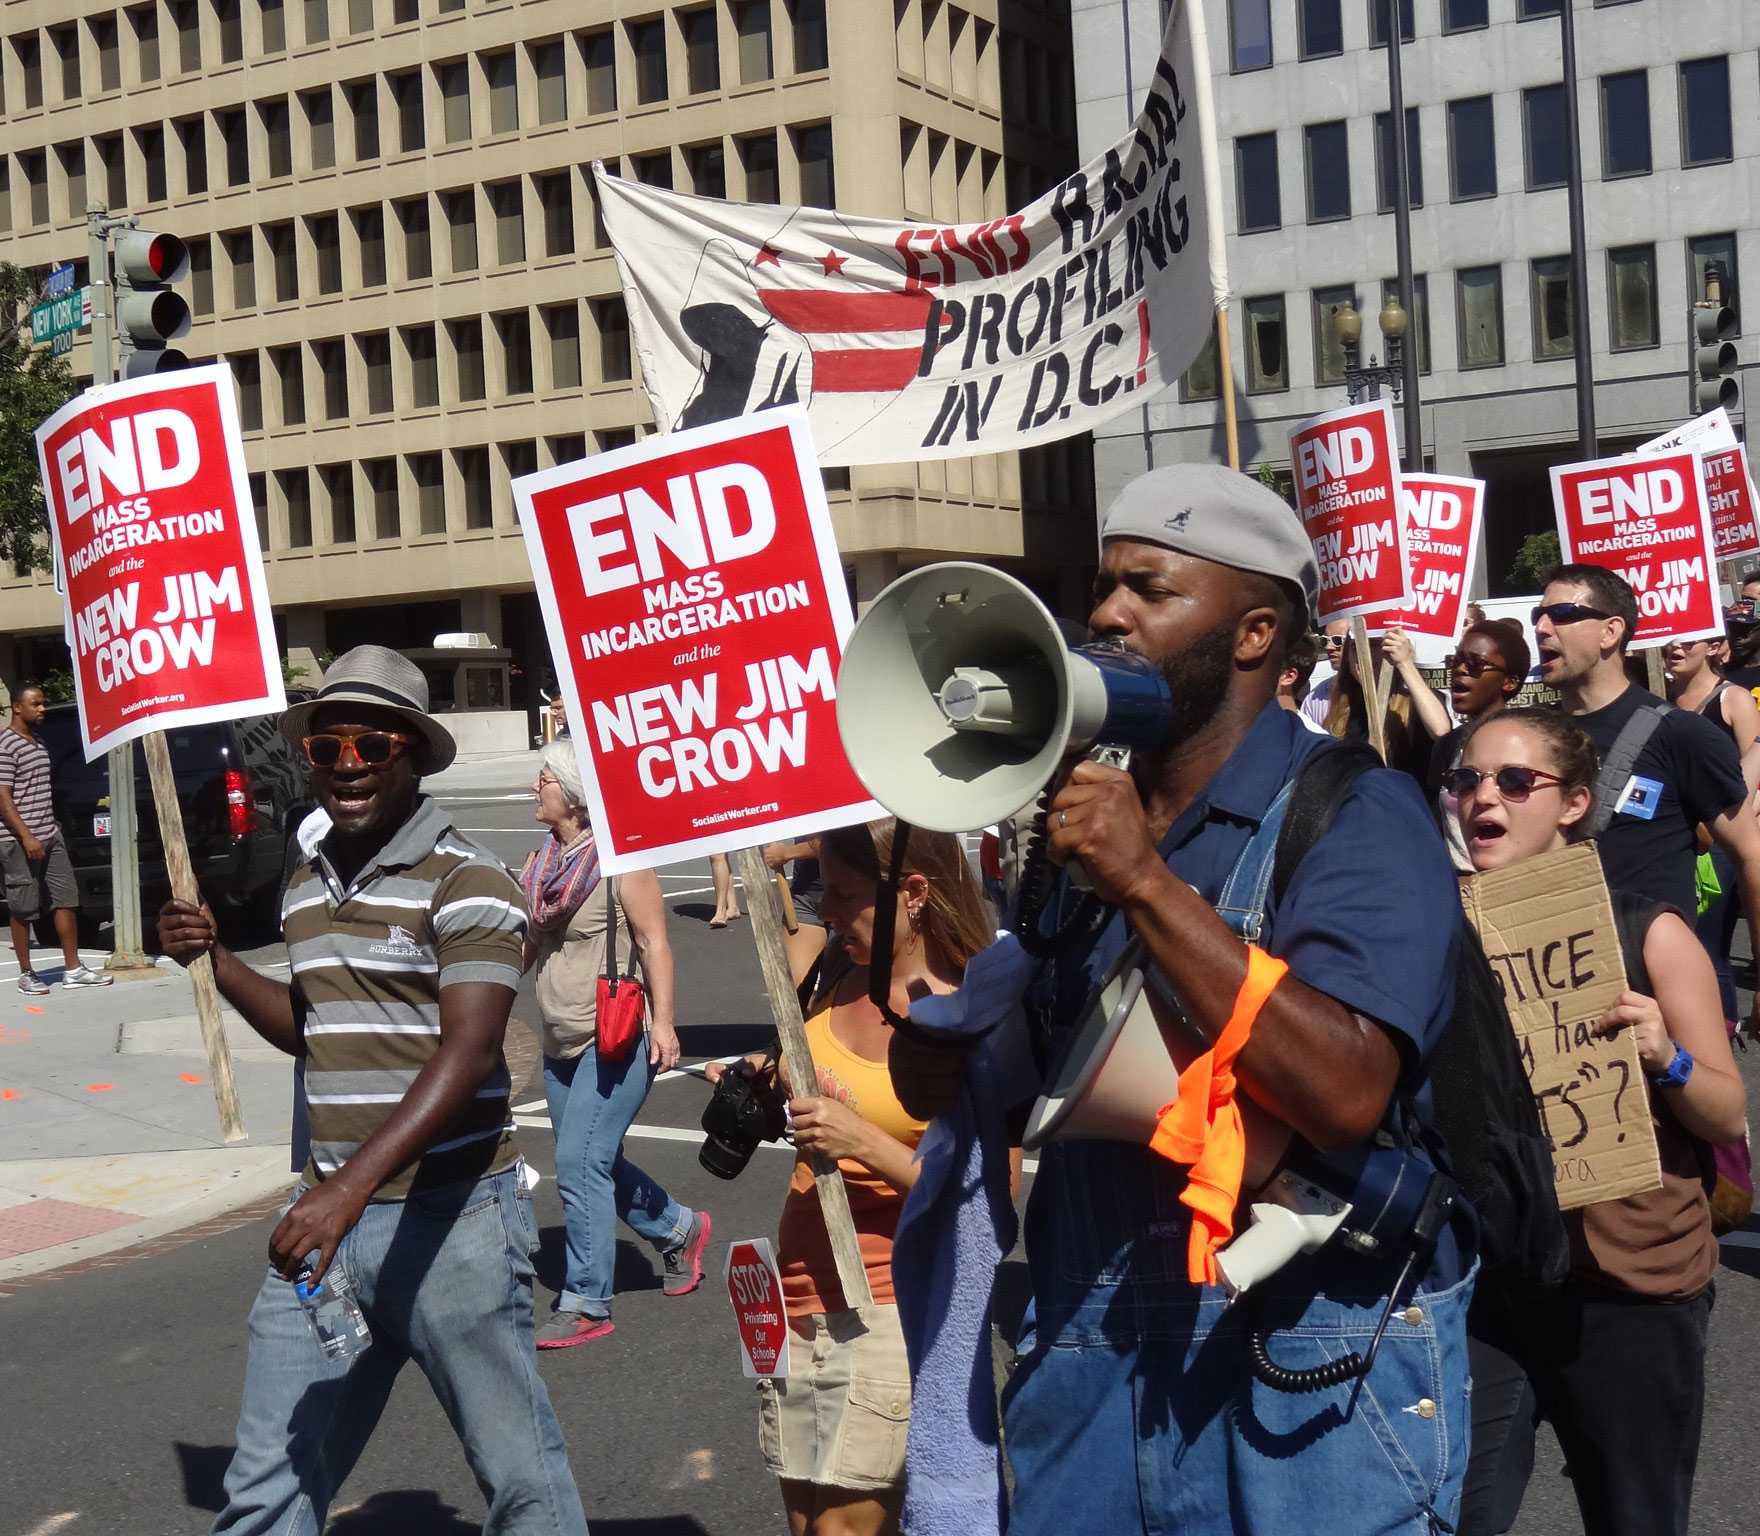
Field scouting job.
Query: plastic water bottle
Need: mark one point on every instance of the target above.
(336, 1318)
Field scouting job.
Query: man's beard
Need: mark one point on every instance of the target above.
(1198, 677)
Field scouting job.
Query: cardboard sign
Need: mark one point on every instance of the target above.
(1547, 927)
(696, 610)
(155, 540)
(1444, 522)
(754, 1286)
(1646, 518)
(1729, 489)
(1712, 430)
(1347, 481)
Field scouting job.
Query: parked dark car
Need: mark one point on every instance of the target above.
(244, 791)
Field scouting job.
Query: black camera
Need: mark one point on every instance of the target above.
(742, 1111)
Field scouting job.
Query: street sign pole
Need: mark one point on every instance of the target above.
(127, 953)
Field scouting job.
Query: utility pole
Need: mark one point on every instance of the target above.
(1586, 445)
(127, 953)
(1402, 242)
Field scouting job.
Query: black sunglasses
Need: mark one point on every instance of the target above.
(1514, 781)
(1473, 666)
(1567, 613)
(372, 749)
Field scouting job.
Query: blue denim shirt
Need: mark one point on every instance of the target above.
(1371, 918)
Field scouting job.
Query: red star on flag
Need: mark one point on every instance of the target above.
(832, 263)
(768, 253)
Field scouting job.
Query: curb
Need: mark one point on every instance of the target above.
(261, 1179)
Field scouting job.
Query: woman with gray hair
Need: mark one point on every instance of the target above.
(593, 1100)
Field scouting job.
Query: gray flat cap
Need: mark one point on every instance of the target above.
(1216, 513)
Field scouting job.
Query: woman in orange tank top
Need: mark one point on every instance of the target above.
(834, 1432)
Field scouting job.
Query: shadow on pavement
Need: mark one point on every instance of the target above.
(724, 1039)
(204, 1471)
(637, 1267)
(701, 911)
(406, 1512)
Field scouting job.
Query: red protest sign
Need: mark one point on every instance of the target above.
(1346, 466)
(1729, 489)
(696, 610)
(156, 541)
(754, 1286)
(1444, 522)
(1646, 518)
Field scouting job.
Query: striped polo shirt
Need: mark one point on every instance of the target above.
(369, 960)
(24, 774)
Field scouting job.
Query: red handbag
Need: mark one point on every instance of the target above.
(621, 1002)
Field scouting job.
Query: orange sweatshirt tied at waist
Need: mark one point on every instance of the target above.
(1203, 1127)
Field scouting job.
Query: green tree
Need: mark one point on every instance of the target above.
(1538, 554)
(33, 385)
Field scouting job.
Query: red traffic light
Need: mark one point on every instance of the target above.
(147, 256)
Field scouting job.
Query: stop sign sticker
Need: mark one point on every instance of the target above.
(754, 1286)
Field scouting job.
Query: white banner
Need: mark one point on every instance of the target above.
(909, 341)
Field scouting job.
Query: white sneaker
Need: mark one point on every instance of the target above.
(33, 985)
(85, 976)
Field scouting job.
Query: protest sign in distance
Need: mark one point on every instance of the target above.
(754, 1286)
(1646, 518)
(1347, 482)
(1444, 523)
(155, 537)
(913, 339)
(1548, 930)
(696, 611)
(1729, 485)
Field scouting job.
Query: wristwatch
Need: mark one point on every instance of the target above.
(1676, 1073)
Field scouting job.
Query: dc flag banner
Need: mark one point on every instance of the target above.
(911, 341)
(1646, 517)
(696, 610)
(1347, 480)
(1444, 523)
(155, 543)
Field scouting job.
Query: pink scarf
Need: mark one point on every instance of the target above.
(558, 879)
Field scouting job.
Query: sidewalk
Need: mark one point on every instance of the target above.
(108, 1132)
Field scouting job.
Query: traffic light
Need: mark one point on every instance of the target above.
(149, 313)
(1712, 377)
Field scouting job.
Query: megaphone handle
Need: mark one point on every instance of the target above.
(1112, 757)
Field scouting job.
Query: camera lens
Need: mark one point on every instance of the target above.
(724, 1159)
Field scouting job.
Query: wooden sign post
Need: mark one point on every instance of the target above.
(797, 1062)
(201, 971)
(1374, 706)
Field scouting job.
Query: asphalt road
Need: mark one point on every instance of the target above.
(120, 1385)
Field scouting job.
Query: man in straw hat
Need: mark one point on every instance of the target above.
(405, 940)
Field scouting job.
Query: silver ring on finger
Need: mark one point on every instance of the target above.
(1062, 819)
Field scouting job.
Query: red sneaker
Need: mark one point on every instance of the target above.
(684, 1264)
(567, 1329)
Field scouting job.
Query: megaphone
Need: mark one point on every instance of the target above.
(957, 697)
(1115, 1073)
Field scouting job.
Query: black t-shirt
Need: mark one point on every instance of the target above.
(1743, 677)
(1687, 773)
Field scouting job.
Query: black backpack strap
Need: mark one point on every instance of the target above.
(1321, 786)
(1621, 757)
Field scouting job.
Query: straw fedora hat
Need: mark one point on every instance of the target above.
(372, 674)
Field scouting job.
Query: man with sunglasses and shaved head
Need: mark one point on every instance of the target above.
(1664, 772)
(405, 941)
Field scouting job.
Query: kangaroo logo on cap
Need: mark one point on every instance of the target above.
(1179, 520)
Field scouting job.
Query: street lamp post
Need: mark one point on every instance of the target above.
(1364, 381)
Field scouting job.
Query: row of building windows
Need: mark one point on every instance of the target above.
(1320, 25)
(1633, 320)
(658, 53)
(1705, 129)
(41, 186)
(508, 355)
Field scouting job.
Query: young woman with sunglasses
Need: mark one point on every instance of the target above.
(1486, 671)
(1615, 1356)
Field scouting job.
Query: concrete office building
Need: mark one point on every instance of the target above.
(1669, 105)
(394, 243)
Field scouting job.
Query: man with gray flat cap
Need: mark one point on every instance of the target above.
(405, 941)
(1143, 1400)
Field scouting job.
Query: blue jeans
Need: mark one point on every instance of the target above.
(1133, 1408)
(592, 1104)
(445, 1279)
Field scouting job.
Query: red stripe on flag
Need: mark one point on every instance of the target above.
(865, 368)
(806, 310)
